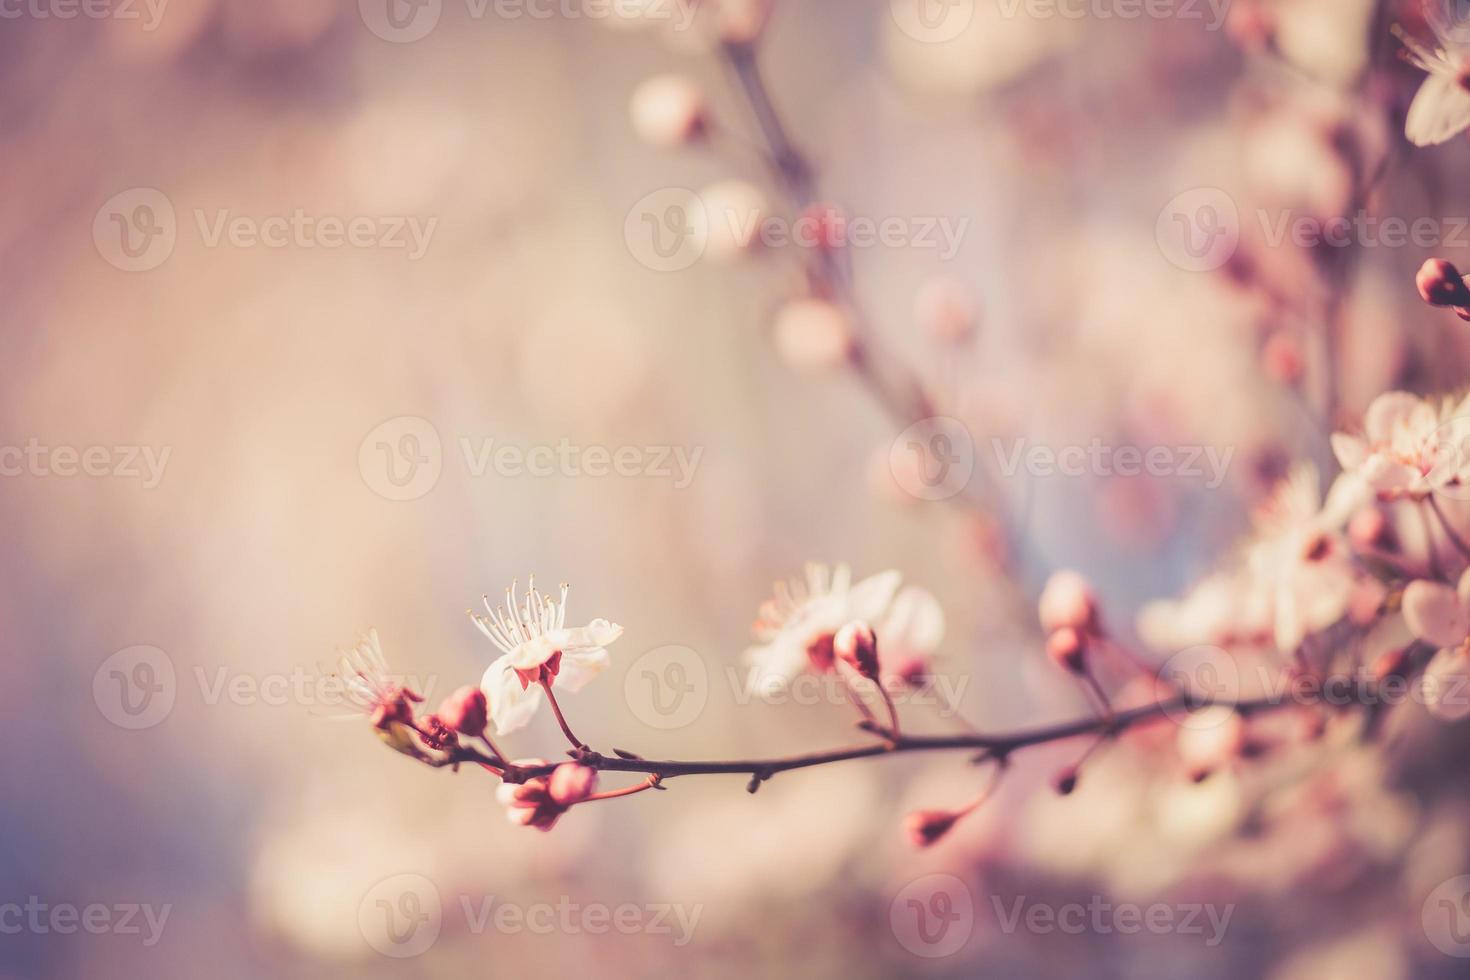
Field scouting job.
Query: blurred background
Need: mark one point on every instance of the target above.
(233, 446)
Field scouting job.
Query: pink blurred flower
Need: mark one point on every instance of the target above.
(798, 625)
(1438, 614)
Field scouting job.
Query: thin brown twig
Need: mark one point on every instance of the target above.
(994, 746)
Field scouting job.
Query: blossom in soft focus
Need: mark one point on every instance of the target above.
(1301, 555)
(668, 110)
(537, 647)
(1404, 449)
(1441, 108)
(813, 334)
(1440, 615)
(798, 625)
(539, 802)
(387, 704)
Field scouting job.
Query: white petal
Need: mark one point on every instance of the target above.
(869, 599)
(1434, 613)
(1440, 110)
(914, 623)
(1447, 685)
(1350, 451)
(773, 665)
(598, 633)
(511, 706)
(578, 667)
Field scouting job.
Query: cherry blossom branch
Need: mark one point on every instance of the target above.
(992, 746)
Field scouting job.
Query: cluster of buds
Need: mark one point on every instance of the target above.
(539, 802)
(1440, 284)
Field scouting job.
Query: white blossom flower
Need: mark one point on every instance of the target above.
(1441, 107)
(796, 627)
(1438, 614)
(537, 646)
(1408, 446)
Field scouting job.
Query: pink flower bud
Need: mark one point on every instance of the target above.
(926, 827)
(668, 110)
(572, 783)
(1067, 647)
(857, 645)
(1068, 600)
(813, 335)
(1440, 284)
(466, 711)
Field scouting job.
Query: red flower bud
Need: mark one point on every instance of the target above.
(857, 645)
(1440, 284)
(466, 711)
